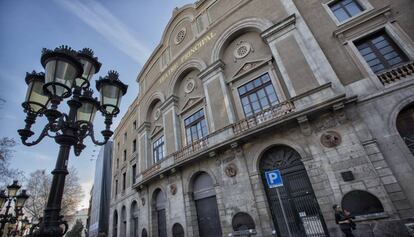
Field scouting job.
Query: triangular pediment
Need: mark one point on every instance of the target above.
(156, 130)
(190, 103)
(248, 66)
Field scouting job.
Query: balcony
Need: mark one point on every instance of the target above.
(396, 74)
(314, 101)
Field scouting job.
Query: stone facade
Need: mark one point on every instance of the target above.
(331, 110)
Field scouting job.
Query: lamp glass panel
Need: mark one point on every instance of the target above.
(88, 69)
(62, 72)
(86, 113)
(110, 95)
(12, 191)
(20, 200)
(35, 94)
(2, 200)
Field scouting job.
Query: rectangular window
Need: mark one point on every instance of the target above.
(134, 173)
(380, 51)
(195, 126)
(125, 137)
(134, 124)
(116, 187)
(125, 155)
(257, 95)
(344, 9)
(117, 163)
(134, 145)
(158, 149)
(123, 181)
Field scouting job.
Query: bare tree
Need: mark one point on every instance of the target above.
(7, 174)
(38, 185)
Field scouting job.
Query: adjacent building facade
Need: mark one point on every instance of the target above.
(321, 90)
(101, 193)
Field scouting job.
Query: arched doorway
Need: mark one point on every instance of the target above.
(115, 225)
(206, 206)
(159, 214)
(177, 230)
(405, 126)
(242, 221)
(301, 208)
(134, 219)
(123, 222)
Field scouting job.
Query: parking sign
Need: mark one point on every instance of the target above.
(273, 178)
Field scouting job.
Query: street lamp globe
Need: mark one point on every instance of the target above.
(36, 101)
(13, 188)
(91, 66)
(86, 113)
(3, 198)
(111, 90)
(21, 199)
(61, 69)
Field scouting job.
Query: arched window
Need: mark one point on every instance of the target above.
(123, 222)
(360, 202)
(178, 230)
(242, 221)
(405, 126)
(206, 206)
(115, 224)
(134, 219)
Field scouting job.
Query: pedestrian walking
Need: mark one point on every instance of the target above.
(344, 220)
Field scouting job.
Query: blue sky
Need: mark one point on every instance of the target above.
(121, 33)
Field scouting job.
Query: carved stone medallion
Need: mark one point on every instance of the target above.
(157, 114)
(231, 170)
(243, 48)
(189, 86)
(143, 201)
(180, 36)
(173, 189)
(331, 139)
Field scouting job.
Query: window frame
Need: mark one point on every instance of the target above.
(367, 39)
(364, 4)
(134, 173)
(255, 90)
(123, 182)
(194, 123)
(162, 146)
(134, 145)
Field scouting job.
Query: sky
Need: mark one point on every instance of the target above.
(122, 35)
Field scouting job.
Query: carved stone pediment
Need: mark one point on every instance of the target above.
(156, 130)
(249, 66)
(190, 103)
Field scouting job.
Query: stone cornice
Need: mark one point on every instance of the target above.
(217, 65)
(170, 100)
(277, 28)
(143, 126)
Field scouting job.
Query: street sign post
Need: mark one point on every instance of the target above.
(274, 180)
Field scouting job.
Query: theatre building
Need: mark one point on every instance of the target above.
(320, 90)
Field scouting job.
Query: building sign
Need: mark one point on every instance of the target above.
(273, 178)
(197, 46)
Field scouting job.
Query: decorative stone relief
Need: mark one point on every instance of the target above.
(243, 48)
(331, 139)
(143, 201)
(231, 170)
(180, 36)
(157, 114)
(173, 189)
(189, 86)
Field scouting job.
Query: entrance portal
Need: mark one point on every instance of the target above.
(303, 214)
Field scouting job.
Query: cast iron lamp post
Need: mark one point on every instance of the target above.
(19, 201)
(67, 76)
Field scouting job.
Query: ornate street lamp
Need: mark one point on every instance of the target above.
(19, 200)
(67, 76)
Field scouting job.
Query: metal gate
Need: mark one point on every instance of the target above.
(162, 224)
(303, 214)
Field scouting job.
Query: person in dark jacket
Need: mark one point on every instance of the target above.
(343, 220)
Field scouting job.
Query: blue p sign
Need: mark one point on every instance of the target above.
(273, 178)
